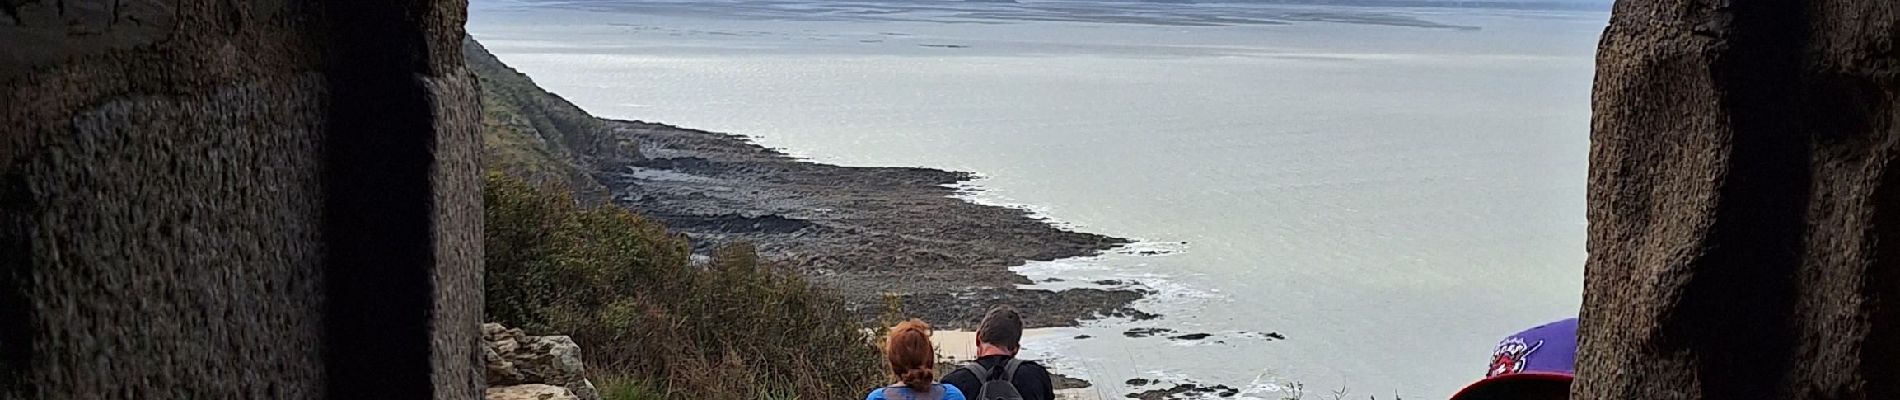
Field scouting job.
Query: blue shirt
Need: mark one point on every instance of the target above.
(949, 393)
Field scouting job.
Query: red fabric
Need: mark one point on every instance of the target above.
(1507, 378)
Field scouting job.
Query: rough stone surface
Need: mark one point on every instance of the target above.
(514, 358)
(1744, 212)
(237, 199)
(530, 392)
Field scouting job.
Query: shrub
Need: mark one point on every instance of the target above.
(732, 327)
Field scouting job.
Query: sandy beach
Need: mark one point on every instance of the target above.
(955, 346)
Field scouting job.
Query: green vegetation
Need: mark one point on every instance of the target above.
(652, 322)
(530, 133)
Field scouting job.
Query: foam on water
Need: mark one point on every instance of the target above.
(1082, 272)
(1264, 386)
(974, 192)
(1117, 266)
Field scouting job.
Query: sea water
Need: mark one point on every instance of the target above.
(1390, 189)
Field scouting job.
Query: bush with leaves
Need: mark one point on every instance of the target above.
(733, 327)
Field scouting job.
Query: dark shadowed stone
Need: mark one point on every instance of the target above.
(45, 32)
(1744, 232)
(237, 199)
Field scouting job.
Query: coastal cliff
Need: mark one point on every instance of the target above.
(538, 136)
(862, 231)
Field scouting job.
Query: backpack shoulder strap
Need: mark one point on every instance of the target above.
(1009, 370)
(982, 374)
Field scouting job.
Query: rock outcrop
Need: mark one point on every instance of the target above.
(533, 391)
(1744, 200)
(212, 199)
(518, 364)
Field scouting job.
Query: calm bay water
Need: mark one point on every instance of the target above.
(1390, 189)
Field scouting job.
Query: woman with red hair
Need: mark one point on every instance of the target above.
(913, 365)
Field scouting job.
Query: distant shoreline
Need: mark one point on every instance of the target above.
(864, 231)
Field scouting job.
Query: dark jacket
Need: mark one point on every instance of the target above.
(1032, 380)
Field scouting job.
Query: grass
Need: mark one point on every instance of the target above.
(626, 388)
(652, 322)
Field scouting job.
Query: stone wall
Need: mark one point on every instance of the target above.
(216, 199)
(1744, 203)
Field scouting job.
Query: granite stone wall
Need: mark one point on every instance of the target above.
(1744, 203)
(238, 199)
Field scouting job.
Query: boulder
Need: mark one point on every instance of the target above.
(533, 391)
(499, 369)
(514, 358)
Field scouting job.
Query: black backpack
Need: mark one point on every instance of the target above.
(896, 392)
(996, 389)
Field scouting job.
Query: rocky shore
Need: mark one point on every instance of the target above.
(1178, 390)
(864, 231)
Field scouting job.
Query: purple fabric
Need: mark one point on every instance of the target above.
(1547, 349)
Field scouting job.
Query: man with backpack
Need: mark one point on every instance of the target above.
(997, 374)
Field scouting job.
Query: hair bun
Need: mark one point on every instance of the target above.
(918, 379)
(913, 359)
